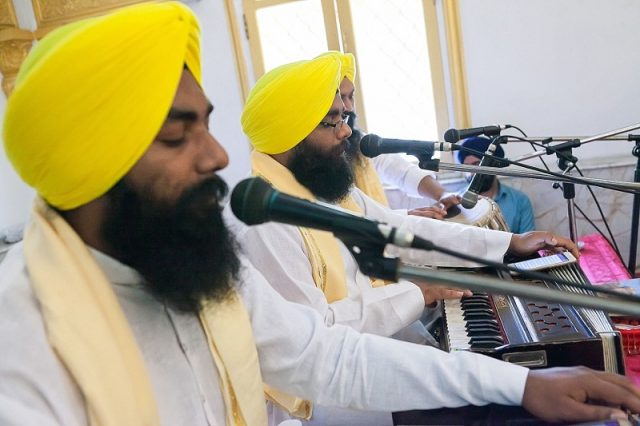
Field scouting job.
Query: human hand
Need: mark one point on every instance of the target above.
(449, 199)
(432, 293)
(530, 242)
(579, 394)
(434, 212)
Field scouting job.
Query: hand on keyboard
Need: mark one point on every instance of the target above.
(432, 293)
(530, 242)
(567, 394)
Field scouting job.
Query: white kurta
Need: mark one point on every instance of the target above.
(297, 353)
(277, 250)
(395, 170)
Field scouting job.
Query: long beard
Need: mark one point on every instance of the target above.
(354, 155)
(328, 176)
(184, 251)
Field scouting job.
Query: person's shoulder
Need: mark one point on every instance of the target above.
(514, 192)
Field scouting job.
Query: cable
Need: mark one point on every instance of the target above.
(612, 241)
(539, 170)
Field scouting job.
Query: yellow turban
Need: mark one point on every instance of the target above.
(92, 95)
(288, 102)
(348, 66)
(348, 63)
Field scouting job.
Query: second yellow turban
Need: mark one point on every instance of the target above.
(288, 102)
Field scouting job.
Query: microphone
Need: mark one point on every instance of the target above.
(454, 135)
(254, 201)
(470, 196)
(373, 145)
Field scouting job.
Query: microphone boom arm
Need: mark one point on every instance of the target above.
(631, 187)
(496, 286)
(604, 135)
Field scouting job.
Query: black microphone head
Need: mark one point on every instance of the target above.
(469, 200)
(250, 200)
(370, 145)
(452, 135)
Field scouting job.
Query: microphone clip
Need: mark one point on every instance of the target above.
(372, 261)
(432, 164)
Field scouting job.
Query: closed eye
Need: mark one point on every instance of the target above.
(173, 143)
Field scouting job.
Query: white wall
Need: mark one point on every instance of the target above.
(559, 68)
(554, 68)
(221, 84)
(15, 196)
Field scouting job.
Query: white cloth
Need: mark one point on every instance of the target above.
(395, 170)
(298, 354)
(277, 250)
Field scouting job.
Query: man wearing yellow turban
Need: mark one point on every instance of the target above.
(295, 119)
(390, 169)
(128, 303)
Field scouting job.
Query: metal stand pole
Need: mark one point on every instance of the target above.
(635, 216)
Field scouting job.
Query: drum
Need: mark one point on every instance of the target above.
(485, 214)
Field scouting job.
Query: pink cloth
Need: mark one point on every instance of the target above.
(601, 264)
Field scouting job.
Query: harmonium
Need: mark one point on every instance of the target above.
(531, 333)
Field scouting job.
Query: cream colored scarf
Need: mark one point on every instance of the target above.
(322, 247)
(90, 334)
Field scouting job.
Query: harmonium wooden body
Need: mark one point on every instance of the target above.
(532, 333)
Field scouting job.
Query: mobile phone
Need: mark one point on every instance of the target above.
(545, 262)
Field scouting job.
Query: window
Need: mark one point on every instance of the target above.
(400, 85)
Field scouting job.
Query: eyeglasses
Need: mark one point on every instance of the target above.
(337, 126)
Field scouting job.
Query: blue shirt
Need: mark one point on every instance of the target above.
(516, 209)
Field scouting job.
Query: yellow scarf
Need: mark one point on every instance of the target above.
(90, 334)
(322, 247)
(368, 181)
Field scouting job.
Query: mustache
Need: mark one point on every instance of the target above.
(213, 187)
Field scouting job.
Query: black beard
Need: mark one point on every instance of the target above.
(183, 250)
(485, 183)
(327, 176)
(354, 155)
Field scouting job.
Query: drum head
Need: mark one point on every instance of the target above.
(474, 216)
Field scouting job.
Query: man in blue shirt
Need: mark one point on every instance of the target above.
(515, 205)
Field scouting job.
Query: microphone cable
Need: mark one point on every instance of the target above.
(503, 162)
(611, 239)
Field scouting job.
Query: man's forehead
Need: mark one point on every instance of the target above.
(337, 107)
(188, 92)
(346, 86)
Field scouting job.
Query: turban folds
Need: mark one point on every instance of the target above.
(347, 61)
(348, 66)
(91, 96)
(288, 102)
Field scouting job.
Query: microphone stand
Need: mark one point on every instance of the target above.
(435, 165)
(371, 260)
(496, 286)
(635, 216)
(577, 142)
(566, 161)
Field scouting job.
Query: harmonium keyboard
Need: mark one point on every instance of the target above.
(531, 333)
(534, 333)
